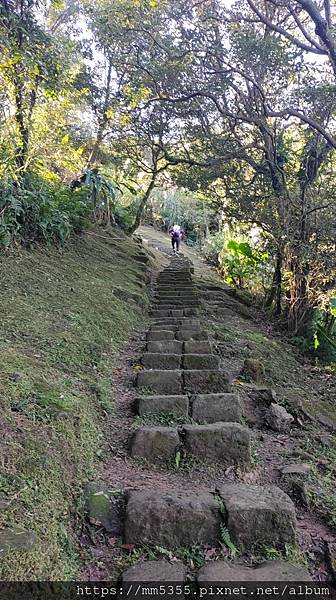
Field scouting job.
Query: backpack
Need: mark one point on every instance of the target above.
(176, 231)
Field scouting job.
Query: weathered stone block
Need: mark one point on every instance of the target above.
(202, 382)
(228, 443)
(167, 347)
(191, 334)
(212, 408)
(161, 361)
(159, 327)
(160, 382)
(177, 406)
(190, 312)
(278, 418)
(273, 570)
(172, 519)
(155, 570)
(192, 347)
(163, 334)
(200, 361)
(258, 515)
(155, 444)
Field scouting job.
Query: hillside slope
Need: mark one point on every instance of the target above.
(64, 315)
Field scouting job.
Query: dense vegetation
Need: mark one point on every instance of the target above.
(228, 108)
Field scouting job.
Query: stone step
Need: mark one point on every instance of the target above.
(160, 382)
(163, 361)
(155, 444)
(165, 347)
(174, 328)
(162, 334)
(150, 571)
(174, 303)
(258, 516)
(272, 570)
(176, 312)
(217, 572)
(202, 408)
(175, 294)
(174, 382)
(213, 408)
(206, 381)
(191, 334)
(182, 322)
(175, 289)
(178, 304)
(227, 443)
(176, 406)
(172, 520)
(197, 347)
(200, 361)
(254, 515)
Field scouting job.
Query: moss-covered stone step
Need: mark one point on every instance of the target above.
(212, 408)
(255, 516)
(200, 361)
(175, 312)
(155, 444)
(174, 405)
(165, 347)
(227, 443)
(152, 360)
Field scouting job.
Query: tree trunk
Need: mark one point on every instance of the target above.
(142, 205)
(276, 290)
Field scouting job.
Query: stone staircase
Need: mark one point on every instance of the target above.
(182, 379)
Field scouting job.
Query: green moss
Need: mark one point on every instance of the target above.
(61, 326)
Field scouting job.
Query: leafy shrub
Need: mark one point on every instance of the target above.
(40, 211)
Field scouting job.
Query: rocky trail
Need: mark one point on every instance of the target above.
(205, 480)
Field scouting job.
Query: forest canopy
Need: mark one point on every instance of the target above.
(215, 113)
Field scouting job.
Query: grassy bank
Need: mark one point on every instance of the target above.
(63, 316)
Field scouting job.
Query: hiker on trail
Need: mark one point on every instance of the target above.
(176, 233)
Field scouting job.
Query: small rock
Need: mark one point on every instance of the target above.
(298, 469)
(253, 369)
(104, 508)
(278, 418)
(15, 539)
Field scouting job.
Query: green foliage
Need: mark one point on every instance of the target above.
(242, 262)
(37, 211)
(226, 539)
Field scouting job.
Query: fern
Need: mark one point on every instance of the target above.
(226, 539)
